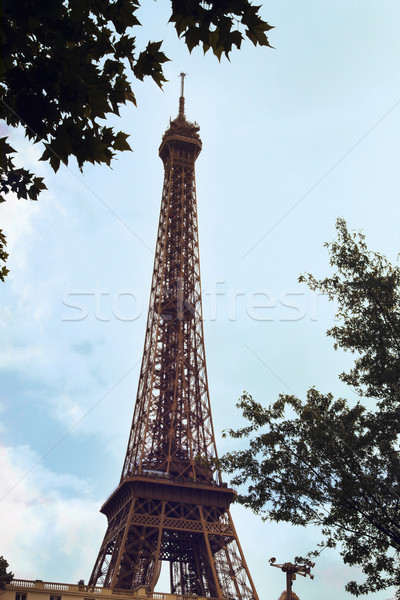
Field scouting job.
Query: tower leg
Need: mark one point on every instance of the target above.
(198, 541)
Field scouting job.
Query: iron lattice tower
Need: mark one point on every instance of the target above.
(171, 505)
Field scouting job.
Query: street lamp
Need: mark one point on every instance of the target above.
(291, 571)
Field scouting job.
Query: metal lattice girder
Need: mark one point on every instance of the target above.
(171, 504)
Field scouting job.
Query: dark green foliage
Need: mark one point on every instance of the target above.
(322, 461)
(20, 181)
(62, 71)
(64, 68)
(3, 255)
(5, 577)
(367, 287)
(214, 24)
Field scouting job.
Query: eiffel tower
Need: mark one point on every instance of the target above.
(171, 504)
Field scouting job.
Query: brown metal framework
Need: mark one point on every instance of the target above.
(171, 505)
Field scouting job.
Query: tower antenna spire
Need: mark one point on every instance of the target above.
(182, 97)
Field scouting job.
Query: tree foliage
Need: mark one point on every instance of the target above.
(3, 255)
(65, 66)
(5, 577)
(328, 462)
(367, 288)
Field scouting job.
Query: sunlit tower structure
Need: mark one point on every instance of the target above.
(171, 504)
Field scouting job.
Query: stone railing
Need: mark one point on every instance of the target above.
(23, 583)
(71, 589)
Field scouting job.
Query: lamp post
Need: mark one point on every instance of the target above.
(291, 571)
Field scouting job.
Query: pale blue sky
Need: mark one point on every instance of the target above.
(292, 138)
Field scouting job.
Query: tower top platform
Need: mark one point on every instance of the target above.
(181, 131)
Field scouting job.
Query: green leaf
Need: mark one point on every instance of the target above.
(120, 142)
(54, 162)
(129, 95)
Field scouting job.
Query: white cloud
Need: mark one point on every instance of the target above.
(49, 529)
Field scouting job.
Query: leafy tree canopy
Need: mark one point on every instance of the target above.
(5, 577)
(328, 462)
(3, 255)
(65, 65)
